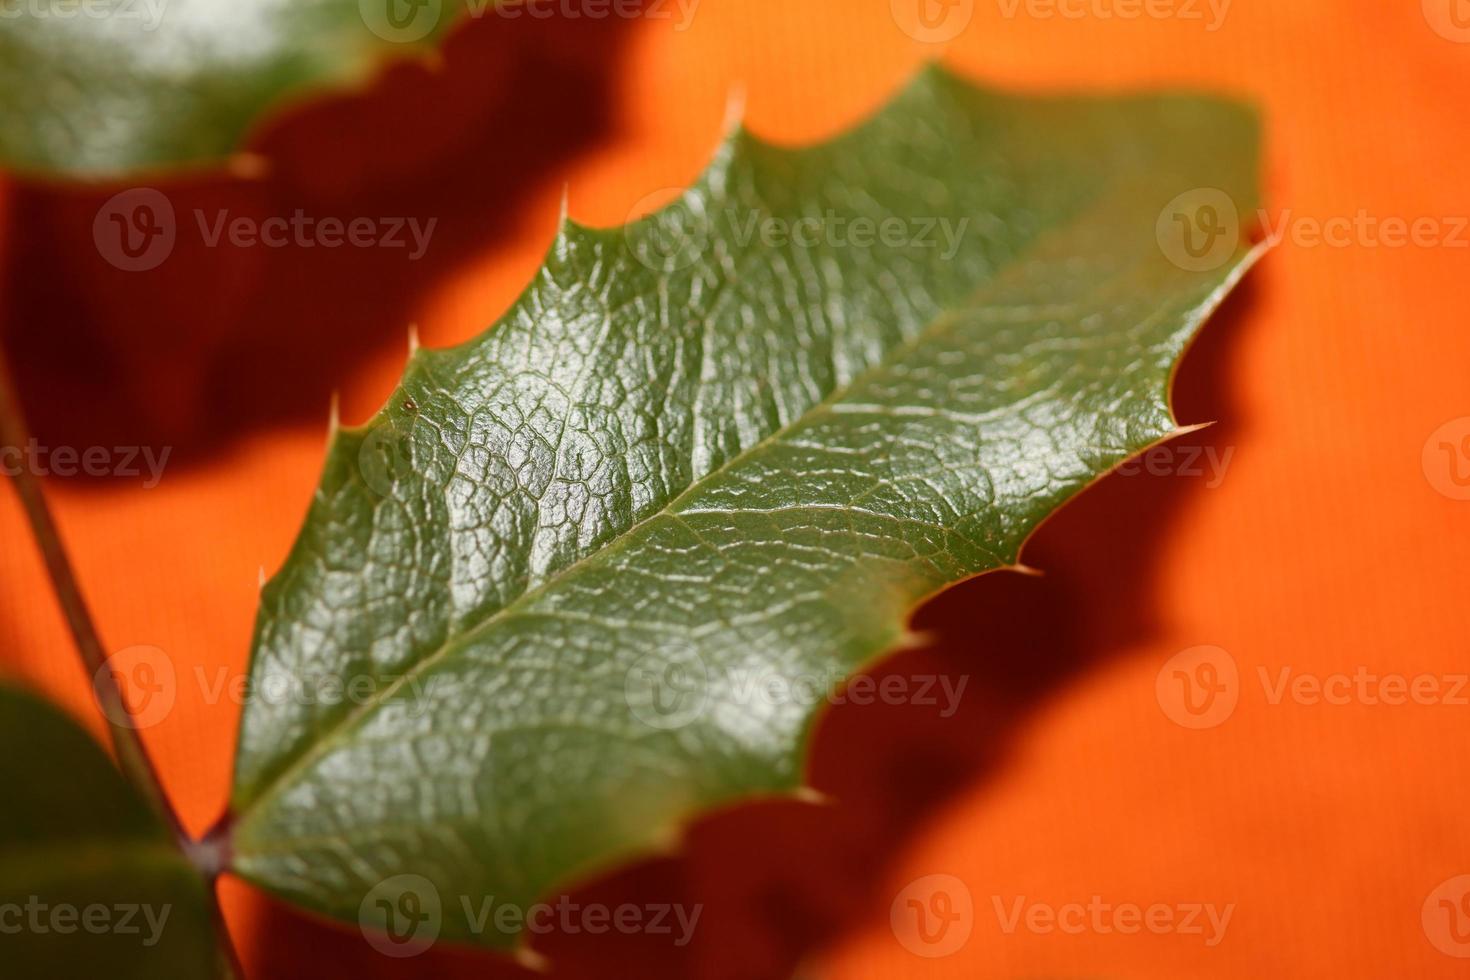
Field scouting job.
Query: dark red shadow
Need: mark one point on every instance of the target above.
(221, 339)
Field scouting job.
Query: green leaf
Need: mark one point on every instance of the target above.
(567, 563)
(100, 88)
(91, 884)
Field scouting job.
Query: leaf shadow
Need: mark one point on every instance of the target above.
(224, 338)
(775, 882)
(780, 881)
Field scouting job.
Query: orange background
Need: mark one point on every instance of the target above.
(1324, 549)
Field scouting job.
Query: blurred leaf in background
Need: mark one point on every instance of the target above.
(98, 89)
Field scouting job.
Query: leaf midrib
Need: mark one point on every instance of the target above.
(941, 321)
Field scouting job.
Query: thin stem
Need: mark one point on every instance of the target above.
(211, 855)
(227, 961)
(132, 756)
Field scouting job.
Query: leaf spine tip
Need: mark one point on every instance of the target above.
(813, 796)
(248, 166)
(916, 639)
(666, 841)
(531, 960)
(735, 101)
(334, 416)
(413, 339)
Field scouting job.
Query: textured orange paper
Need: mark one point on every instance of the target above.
(1324, 536)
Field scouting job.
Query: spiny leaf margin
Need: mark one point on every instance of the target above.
(284, 780)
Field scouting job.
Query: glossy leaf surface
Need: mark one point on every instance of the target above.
(593, 572)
